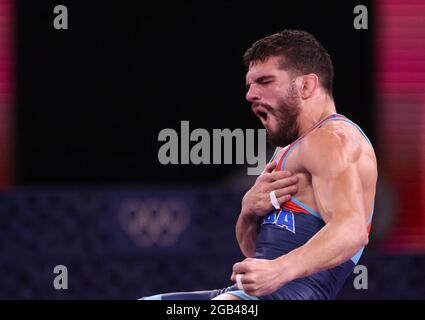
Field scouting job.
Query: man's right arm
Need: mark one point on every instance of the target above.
(247, 228)
(256, 204)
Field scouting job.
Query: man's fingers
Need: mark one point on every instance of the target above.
(278, 175)
(270, 167)
(237, 267)
(233, 276)
(285, 182)
(284, 198)
(241, 267)
(249, 287)
(274, 176)
(242, 280)
(291, 190)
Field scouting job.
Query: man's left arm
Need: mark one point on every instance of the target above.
(332, 160)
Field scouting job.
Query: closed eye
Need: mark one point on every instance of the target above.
(262, 81)
(265, 82)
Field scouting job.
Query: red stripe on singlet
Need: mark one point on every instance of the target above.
(292, 206)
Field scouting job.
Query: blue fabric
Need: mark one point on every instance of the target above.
(274, 241)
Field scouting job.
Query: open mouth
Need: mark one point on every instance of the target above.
(262, 115)
(261, 112)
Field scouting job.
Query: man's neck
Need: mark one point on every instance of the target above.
(313, 114)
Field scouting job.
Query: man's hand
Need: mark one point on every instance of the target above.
(257, 199)
(260, 276)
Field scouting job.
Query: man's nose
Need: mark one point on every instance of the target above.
(252, 95)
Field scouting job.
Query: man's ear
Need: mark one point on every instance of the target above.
(307, 84)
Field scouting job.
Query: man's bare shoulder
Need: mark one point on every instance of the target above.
(333, 145)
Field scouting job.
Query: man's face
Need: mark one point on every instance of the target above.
(274, 99)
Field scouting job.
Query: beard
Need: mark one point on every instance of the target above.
(287, 113)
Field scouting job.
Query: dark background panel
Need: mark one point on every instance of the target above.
(92, 99)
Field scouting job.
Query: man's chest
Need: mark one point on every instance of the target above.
(290, 159)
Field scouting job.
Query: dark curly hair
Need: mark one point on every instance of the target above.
(301, 54)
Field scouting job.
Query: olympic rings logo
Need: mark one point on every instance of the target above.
(154, 221)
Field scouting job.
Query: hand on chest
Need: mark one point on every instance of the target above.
(289, 159)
